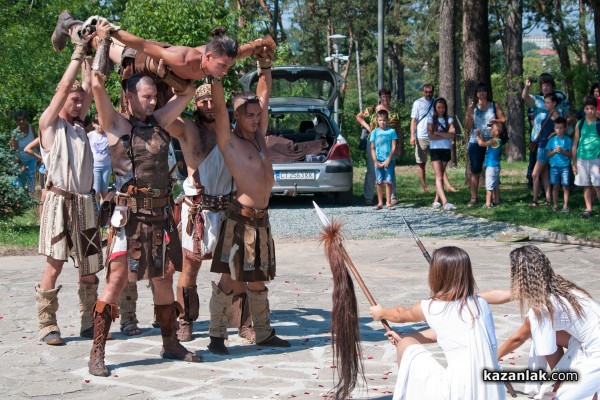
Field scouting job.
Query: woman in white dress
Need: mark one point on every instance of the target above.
(461, 323)
(557, 307)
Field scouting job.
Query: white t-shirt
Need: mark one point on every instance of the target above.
(442, 126)
(100, 148)
(421, 109)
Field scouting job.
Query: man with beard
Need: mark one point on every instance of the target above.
(209, 190)
(143, 234)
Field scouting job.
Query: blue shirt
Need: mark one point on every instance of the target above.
(492, 155)
(559, 159)
(541, 113)
(383, 142)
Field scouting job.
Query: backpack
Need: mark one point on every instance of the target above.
(580, 126)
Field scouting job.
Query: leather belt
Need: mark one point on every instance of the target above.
(61, 192)
(208, 202)
(248, 212)
(148, 192)
(137, 202)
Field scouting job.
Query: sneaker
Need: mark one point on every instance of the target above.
(586, 214)
(449, 207)
(487, 206)
(394, 201)
(565, 209)
(436, 204)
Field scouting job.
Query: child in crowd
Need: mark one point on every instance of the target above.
(441, 132)
(492, 164)
(559, 155)
(586, 154)
(460, 322)
(383, 145)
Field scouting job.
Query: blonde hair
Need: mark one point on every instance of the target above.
(534, 282)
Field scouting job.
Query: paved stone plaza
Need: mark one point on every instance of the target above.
(393, 269)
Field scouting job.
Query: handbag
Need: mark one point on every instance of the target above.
(533, 146)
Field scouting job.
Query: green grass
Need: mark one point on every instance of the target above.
(22, 231)
(513, 192)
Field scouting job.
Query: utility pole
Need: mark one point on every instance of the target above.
(380, 54)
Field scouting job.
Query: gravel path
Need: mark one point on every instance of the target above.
(296, 217)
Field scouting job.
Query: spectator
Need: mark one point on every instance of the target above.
(102, 160)
(21, 137)
(586, 154)
(368, 120)
(540, 169)
(441, 132)
(421, 110)
(480, 116)
(559, 155)
(383, 146)
(595, 91)
(539, 112)
(493, 151)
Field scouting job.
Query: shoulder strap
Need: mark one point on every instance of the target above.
(426, 112)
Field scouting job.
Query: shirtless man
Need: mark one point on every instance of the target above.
(172, 64)
(144, 237)
(208, 193)
(245, 251)
(69, 214)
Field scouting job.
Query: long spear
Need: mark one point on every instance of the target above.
(345, 327)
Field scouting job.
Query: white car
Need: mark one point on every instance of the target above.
(309, 153)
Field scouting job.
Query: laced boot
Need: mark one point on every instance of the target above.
(61, 31)
(166, 316)
(127, 306)
(46, 302)
(188, 296)
(259, 308)
(88, 294)
(219, 306)
(104, 314)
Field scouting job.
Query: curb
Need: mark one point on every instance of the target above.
(541, 235)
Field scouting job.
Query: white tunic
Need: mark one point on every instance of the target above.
(585, 333)
(217, 180)
(469, 345)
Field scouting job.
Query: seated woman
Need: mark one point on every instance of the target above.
(463, 326)
(557, 308)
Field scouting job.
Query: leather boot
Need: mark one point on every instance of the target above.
(46, 302)
(259, 308)
(88, 294)
(219, 305)
(127, 306)
(188, 296)
(61, 31)
(104, 314)
(166, 316)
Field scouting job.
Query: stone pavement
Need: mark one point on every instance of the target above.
(393, 269)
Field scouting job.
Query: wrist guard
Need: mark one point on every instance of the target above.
(101, 64)
(80, 52)
(211, 80)
(263, 65)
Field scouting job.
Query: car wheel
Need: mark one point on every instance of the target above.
(343, 198)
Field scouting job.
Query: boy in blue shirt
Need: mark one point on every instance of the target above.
(492, 163)
(383, 145)
(559, 154)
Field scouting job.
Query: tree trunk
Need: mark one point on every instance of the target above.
(447, 52)
(476, 46)
(584, 47)
(513, 54)
(476, 53)
(395, 53)
(312, 12)
(596, 6)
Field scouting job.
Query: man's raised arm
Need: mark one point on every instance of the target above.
(222, 125)
(172, 110)
(263, 91)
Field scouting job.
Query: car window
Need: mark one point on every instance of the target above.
(297, 123)
(301, 87)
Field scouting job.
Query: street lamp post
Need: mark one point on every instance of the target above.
(336, 57)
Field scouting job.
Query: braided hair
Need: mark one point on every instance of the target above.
(534, 282)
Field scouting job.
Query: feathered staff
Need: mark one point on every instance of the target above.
(345, 331)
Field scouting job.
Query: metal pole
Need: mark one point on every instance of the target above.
(336, 67)
(360, 104)
(380, 54)
(275, 12)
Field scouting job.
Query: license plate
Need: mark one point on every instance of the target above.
(301, 175)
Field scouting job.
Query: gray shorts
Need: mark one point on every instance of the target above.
(588, 172)
(492, 178)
